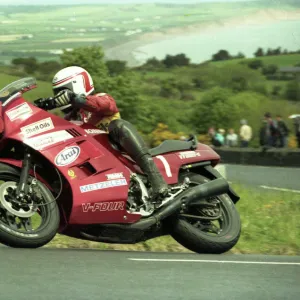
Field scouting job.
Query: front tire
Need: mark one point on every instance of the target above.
(198, 238)
(17, 224)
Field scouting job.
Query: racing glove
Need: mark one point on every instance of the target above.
(64, 98)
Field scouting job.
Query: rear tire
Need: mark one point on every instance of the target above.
(196, 240)
(11, 235)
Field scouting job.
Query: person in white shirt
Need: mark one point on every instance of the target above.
(231, 138)
(245, 134)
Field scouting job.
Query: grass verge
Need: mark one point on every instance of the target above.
(270, 225)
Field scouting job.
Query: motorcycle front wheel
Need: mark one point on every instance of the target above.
(212, 227)
(27, 224)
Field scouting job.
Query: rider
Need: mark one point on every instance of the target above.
(74, 95)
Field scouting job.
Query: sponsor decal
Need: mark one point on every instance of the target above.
(94, 131)
(19, 111)
(114, 176)
(67, 156)
(37, 127)
(72, 174)
(188, 154)
(102, 185)
(47, 139)
(103, 206)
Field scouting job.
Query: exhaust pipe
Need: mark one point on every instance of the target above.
(210, 189)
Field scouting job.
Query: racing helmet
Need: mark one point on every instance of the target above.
(74, 78)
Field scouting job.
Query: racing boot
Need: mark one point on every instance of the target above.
(158, 184)
(124, 134)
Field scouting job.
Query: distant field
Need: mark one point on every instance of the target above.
(48, 28)
(279, 60)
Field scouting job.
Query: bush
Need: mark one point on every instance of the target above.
(269, 69)
(276, 90)
(168, 91)
(115, 67)
(187, 96)
(199, 83)
(255, 64)
(292, 91)
(239, 84)
(260, 88)
(162, 133)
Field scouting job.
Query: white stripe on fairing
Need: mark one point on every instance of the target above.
(166, 165)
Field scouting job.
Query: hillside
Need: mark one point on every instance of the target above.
(278, 60)
(179, 96)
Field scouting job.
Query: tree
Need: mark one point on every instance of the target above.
(49, 67)
(259, 52)
(90, 58)
(221, 55)
(269, 52)
(29, 64)
(215, 108)
(177, 60)
(240, 55)
(115, 67)
(152, 63)
(122, 88)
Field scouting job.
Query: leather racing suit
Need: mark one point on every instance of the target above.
(101, 111)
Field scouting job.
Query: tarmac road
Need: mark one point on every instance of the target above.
(269, 178)
(90, 274)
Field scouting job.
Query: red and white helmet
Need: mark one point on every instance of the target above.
(74, 78)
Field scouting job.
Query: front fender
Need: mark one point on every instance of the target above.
(214, 174)
(18, 164)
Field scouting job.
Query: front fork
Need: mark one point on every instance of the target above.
(23, 187)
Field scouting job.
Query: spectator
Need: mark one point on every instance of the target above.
(231, 138)
(263, 134)
(283, 132)
(211, 132)
(297, 129)
(271, 130)
(219, 139)
(245, 134)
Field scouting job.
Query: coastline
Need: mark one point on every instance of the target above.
(127, 50)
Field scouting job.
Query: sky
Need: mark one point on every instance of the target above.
(69, 2)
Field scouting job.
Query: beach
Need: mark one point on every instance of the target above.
(134, 51)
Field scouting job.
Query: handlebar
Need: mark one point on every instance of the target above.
(45, 103)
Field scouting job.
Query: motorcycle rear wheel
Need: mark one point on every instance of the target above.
(25, 227)
(201, 235)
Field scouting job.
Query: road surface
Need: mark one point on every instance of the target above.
(272, 178)
(54, 274)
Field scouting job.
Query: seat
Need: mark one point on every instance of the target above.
(173, 145)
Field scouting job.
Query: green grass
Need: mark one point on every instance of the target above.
(270, 225)
(43, 88)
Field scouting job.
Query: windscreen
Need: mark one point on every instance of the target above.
(21, 85)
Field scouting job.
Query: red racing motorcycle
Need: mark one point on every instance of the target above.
(68, 177)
